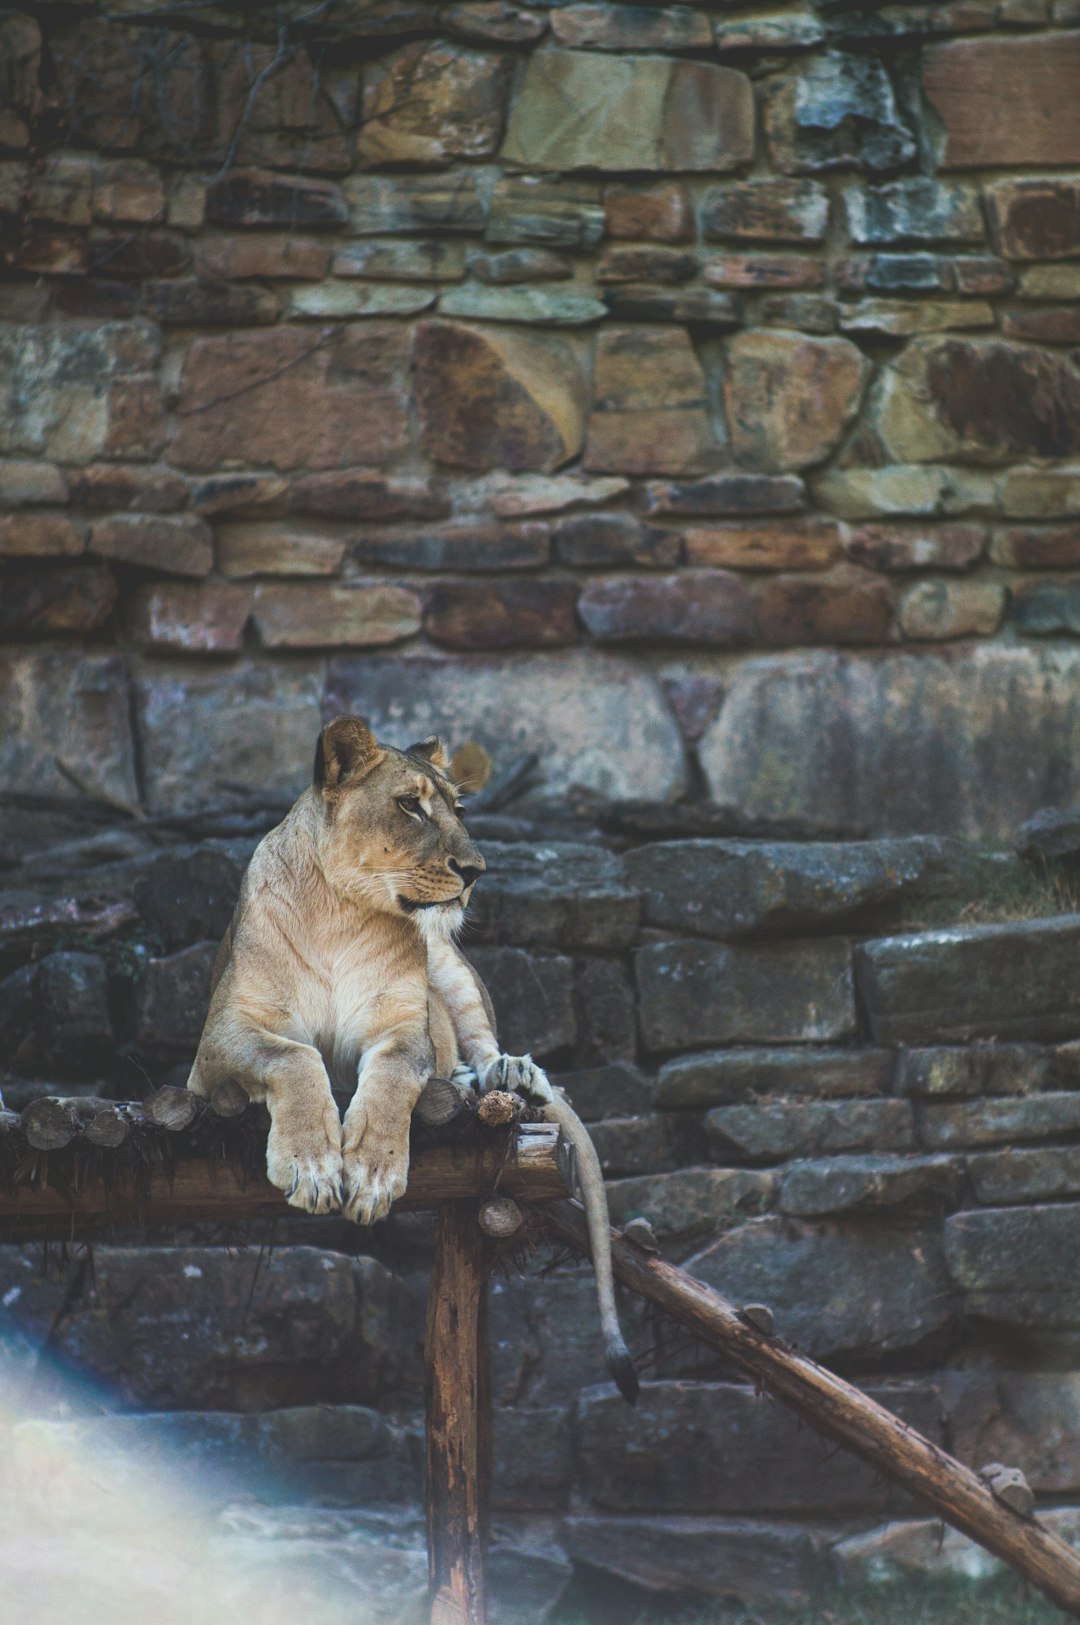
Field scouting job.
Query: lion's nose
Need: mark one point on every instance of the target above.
(468, 872)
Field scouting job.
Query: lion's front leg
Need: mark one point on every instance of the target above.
(375, 1140)
(303, 1149)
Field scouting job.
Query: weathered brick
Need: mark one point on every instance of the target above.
(915, 547)
(39, 603)
(839, 111)
(789, 398)
(25, 483)
(354, 615)
(521, 265)
(40, 534)
(193, 303)
(899, 318)
(1047, 607)
(968, 81)
(726, 495)
(251, 197)
(179, 545)
(495, 21)
(402, 262)
(1022, 1174)
(275, 548)
(491, 398)
(952, 609)
(431, 102)
(650, 409)
(660, 213)
(615, 538)
(698, 606)
(798, 545)
(364, 493)
(461, 546)
(630, 28)
(1035, 219)
(764, 271)
(502, 614)
(848, 605)
(269, 255)
(127, 191)
(127, 486)
(185, 618)
(918, 210)
(381, 204)
(1058, 325)
(641, 303)
(777, 211)
(644, 113)
(869, 1183)
(652, 264)
(1027, 548)
(315, 399)
(554, 213)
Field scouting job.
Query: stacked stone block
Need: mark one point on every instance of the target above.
(460, 362)
(819, 1099)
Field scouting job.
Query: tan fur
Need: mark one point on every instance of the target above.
(339, 968)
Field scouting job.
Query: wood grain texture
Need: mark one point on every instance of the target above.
(458, 1400)
(533, 1165)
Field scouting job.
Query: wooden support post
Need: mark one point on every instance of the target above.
(458, 1398)
(841, 1412)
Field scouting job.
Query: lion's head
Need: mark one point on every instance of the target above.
(392, 826)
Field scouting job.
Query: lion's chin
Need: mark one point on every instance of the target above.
(438, 922)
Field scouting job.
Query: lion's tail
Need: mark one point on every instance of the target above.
(590, 1181)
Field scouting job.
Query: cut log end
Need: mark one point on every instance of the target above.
(1009, 1486)
(440, 1102)
(171, 1108)
(640, 1233)
(760, 1316)
(500, 1217)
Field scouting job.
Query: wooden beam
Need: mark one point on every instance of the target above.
(458, 1421)
(533, 1164)
(842, 1413)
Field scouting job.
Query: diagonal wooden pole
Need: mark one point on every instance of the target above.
(842, 1413)
(458, 1399)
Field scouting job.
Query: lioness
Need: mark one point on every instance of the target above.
(339, 967)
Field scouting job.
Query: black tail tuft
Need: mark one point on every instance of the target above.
(621, 1366)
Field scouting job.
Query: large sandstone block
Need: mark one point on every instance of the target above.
(966, 742)
(650, 407)
(558, 895)
(489, 397)
(742, 888)
(721, 1076)
(696, 606)
(1001, 981)
(254, 725)
(296, 397)
(1030, 1418)
(593, 718)
(790, 398)
(734, 1557)
(771, 1130)
(171, 1000)
(836, 1288)
(1006, 101)
(205, 1327)
(533, 998)
(705, 993)
(690, 1205)
(431, 102)
(978, 400)
(576, 110)
(65, 391)
(720, 1447)
(864, 1184)
(66, 710)
(1018, 1265)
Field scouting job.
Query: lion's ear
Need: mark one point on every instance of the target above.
(347, 749)
(432, 750)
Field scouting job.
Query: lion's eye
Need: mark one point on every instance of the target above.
(409, 804)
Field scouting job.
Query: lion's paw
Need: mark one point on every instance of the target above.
(307, 1167)
(517, 1074)
(465, 1078)
(376, 1168)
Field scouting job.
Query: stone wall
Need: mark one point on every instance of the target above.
(824, 1091)
(683, 393)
